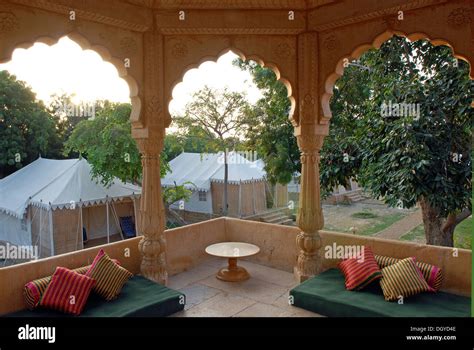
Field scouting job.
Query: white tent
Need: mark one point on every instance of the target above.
(48, 192)
(204, 175)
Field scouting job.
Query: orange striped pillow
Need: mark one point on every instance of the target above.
(433, 274)
(67, 292)
(403, 279)
(360, 271)
(109, 277)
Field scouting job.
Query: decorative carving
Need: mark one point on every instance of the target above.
(391, 22)
(8, 22)
(153, 106)
(152, 215)
(229, 31)
(179, 50)
(219, 4)
(370, 15)
(284, 50)
(84, 14)
(459, 17)
(307, 108)
(310, 216)
(128, 45)
(331, 43)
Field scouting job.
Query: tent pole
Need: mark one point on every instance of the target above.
(40, 227)
(240, 198)
(108, 228)
(253, 197)
(135, 214)
(82, 227)
(51, 236)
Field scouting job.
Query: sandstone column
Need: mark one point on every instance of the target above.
(152, 214)
(310, 216)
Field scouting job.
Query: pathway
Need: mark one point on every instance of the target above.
(399, 228)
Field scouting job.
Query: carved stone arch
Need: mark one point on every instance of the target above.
(376, 43)
(88, 35)
(184, 53)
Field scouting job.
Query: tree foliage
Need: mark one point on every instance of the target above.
(404, 159)
(270, 132)
(27, 130)
(219, 115)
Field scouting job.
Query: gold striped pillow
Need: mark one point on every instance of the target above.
(432, 274)
(109, 277)
(403, 279)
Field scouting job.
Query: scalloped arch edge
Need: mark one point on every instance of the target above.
(104, 54)
(376, 43)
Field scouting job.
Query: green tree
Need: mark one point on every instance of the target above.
(193, 139)
(106, 141)
(424, 157)
(404, 160)
(27, 130)
(221, 116)
(270, 132)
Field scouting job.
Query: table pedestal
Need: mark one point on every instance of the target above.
(233, 273)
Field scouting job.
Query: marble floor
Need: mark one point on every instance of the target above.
(265, 294)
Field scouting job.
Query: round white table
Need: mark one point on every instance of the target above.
(232, 251)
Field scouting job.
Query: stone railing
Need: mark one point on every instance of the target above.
(185, 249)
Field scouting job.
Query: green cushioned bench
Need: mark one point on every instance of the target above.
(140, 297)
(325, 294)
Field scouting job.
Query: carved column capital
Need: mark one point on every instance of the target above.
(310, 142)
(150, 146)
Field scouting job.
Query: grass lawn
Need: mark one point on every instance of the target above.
(415, 235)
(462, 235)
(366, 222)
(364, 215)
(380, 224)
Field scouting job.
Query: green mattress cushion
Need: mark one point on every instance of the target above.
(325, 294)
(140, 297)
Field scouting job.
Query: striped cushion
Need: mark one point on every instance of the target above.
(109, 277)
(359, 272)
(32, 291)
(403, 279)
(432, 274)
(67, 292)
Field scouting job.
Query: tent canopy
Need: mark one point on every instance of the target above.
(46, 182)
(202, 169)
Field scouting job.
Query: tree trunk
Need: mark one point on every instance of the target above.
(434, 224)
(226, 176)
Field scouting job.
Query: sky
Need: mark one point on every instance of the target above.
(66, 68)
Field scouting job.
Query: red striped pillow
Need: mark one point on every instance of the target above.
(67, 292)
(360, 271)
